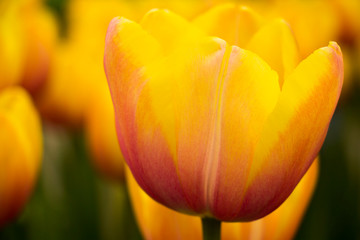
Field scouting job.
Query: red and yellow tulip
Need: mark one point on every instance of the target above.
(157, 222)
(20, 152)
(210, 128)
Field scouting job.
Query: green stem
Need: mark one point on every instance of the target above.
(211, 228)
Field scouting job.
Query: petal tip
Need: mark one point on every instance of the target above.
(335, 47)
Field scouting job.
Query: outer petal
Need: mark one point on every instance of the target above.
(276, 44)
(294, 132)
(248, 94)
(233, 23)
(129, 49)
(20, 153)
(284, 221)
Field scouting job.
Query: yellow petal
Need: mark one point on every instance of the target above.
(11, 44)
(275, 43)
(21, 151)
(169, 29)
(41, 32)
(234, 23)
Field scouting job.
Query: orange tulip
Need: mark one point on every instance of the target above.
(158, 222)
(20, 153)
(212, 129)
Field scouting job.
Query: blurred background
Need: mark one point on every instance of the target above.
(54, 49)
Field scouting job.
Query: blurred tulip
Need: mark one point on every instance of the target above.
(66, 95)
(11, 44)
(211, 129)
(21, 151)
(159, 222)
(28, 36)
(77, 67)
(101, 133)
(40, 29)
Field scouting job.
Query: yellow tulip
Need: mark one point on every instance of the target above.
(11, 44)
(101, 134)
(66, 95)
(158, 222)
(77, 67)
(20, 153)
(40, 29)
(28, 35)
(212, 129)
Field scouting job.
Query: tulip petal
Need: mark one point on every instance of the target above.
(294, 132)
(275, 43)
(233, 23)
(284, 221)
(169, 29)
(21, 150)
(250, 92)
(128, 50)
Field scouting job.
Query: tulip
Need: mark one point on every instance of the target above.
(40, 29)
(20, 153)
(11, 44)
(28, 35)
(101, 134)
(280, 224)
(212, 129)
(77, 68)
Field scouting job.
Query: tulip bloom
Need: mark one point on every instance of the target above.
(77, 69)
(40, 29)
(20, 152)
(212, 129)
(280, 224)
(11, 44)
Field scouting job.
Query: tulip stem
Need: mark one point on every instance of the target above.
(211, 228)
